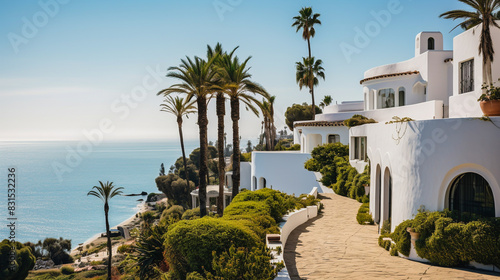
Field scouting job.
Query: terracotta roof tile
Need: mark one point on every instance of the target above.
(389, 76)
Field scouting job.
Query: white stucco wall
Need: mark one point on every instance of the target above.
(426, 160)
(313, 136)
(284, 171)
(465, 48)
(245, 175)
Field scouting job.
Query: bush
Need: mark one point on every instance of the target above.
(242, 263)
(125, 248)
(358, 120)
(174, 212)
(175, 188)
(386, 244)
(446, 242)
(67, 270)
(246, 157)
(194, 276)
(402, 237)
(191, 214)
(363, 217)
(279, 203)
(189, 243)
(25, 260)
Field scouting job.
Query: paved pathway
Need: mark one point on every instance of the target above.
(335, 246)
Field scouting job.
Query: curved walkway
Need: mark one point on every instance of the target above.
(335, 246)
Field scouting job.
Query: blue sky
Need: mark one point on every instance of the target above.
(68, 66)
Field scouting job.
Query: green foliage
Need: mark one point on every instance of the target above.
(192, 169)
(299, 113)
(402, 237)
(305, 200)
(125, 248)
(386, 244)
(246, 157)
(492, 93)
(149, 250)
(294, 147)
(175, 188)
(195, 155)
(23, 262)
(358, 120)
(363, 217)
(446, 242)
(67, 270)
(191, 214)
(194, 276)
(279, 203)
(175, 212)
(243, 263)
(189, 243)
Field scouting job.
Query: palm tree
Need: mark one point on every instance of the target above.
(306, 21)
(307, 75)
(106, 192)
(179, 107)
(221, 111)
(267, 108)
(327, 100)
(197, 80)
(237, 84)
(484, 12)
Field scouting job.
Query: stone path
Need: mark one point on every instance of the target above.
(335, 246)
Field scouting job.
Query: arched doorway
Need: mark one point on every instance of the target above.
(254, 180)
(470, 196)
(262, 183)
(387, 195)
(378, 195)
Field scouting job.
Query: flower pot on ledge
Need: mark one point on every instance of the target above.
(490, 108)
(414, 235)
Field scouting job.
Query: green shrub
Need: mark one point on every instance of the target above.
(191, 214)
(242, 263)
(174, 212)
(294, 147)
(246, 157)
(25, 260)
(67, 270)
(358, 120)
(189, 243)
(386, 244)
(279, 203)
(259, 224)
(305, 200)
(125, 248)
(194, 276)
(363, 217)
(402, 237)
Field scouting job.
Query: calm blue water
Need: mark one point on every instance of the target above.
(48, 205)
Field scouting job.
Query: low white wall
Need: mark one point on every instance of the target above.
(314, 192)
(284, 171)
(245, 175)
(295, 219)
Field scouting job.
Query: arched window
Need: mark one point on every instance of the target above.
(430, 43)
(386, 98)
(401, 96)
(470, 195)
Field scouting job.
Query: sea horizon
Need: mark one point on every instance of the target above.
(54, 177)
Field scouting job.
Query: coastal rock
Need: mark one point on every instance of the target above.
(41, 264)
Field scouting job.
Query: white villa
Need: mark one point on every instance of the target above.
(447, 157)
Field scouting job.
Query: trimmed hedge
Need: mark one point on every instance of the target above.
(358, 120)
(447, 242)
(363, 217)
(190, 243)
(279, 203)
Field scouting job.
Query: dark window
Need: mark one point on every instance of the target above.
(359, 148)
(467, 76)
(333, 138)
(386, 98)
(401, 96)
(471, 196)
(430, 43)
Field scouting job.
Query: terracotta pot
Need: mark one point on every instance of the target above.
(490, 108)
(414, 237)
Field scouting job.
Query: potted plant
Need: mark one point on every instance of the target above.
(414, 235)
(490, 100)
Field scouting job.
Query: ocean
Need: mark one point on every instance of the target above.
(52, 180)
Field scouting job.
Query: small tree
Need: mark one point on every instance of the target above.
(105, 192)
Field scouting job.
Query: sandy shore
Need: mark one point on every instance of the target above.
(129, 223)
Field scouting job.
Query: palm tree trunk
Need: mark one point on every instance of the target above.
(312, 87)
(181, 136)
(221, 111)
(108, 235)
(235, 117)
(203, 123)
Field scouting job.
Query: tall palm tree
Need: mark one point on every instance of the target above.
(237, 85)
(267, 108)
(221, 111)
(105, 192)
(307, 75)
(179, 107)
(306, 21)
(197, 80)
(483, 12)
